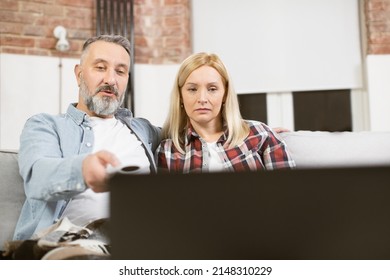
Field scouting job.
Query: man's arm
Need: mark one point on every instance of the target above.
(52, 164)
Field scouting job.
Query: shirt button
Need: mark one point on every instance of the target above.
(88, 128)
(88, 144)
(78, 186)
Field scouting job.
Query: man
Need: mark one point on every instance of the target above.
(65, 160)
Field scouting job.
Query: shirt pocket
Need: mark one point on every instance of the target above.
(244, 159)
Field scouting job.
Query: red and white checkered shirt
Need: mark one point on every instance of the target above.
(261, 149)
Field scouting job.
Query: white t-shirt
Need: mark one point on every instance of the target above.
(215, 163)
(114, 136)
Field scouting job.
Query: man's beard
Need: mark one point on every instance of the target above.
(101, 105)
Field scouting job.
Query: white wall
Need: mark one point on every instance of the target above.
(282, 45)
(153, 84)
(68, 88)
(378, 85)
(31, 85)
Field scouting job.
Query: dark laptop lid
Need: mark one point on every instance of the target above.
(341, 213)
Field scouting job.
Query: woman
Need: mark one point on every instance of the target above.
(204, 130)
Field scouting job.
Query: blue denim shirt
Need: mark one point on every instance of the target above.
(51, 152)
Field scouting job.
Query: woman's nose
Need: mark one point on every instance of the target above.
(202, 96)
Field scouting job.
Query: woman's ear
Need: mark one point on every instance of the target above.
(224, 98)
(181, 102)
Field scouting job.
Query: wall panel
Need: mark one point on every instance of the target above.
(28, 85)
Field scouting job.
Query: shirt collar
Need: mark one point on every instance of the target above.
(77, 115)
(191, 133)
(80, 116)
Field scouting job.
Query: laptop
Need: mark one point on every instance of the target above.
(300, 214)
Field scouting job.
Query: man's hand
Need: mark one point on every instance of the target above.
(94, 170)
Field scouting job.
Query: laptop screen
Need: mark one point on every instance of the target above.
(334, 213)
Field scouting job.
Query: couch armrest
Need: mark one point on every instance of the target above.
(12, 194)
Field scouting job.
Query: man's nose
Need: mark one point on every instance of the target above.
(109, 77)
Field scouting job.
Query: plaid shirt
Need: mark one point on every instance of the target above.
(261, 149)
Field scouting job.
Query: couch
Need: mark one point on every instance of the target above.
(11, 194)
(310, 149)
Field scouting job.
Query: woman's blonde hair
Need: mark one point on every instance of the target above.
(177, 120)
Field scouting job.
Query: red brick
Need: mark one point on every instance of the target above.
(51, 10)
(17, 41)
(31, 7)
(377, 17)
(172, 2)
(173, 10)
(46, 1)
(379, 49)
(26, 18)
(31, 30)
(77, 3)
(78, 12)
(379, 38)
(174, 21)
(13, 50)
(9, 5)
(141, 41)
(11, 28)
(379, 27)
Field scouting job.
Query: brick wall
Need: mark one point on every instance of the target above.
(377, 20)
(26, 27)
(162, 31)
(162, 28)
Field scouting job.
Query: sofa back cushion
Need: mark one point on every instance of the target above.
(317, 149)
(12, 195)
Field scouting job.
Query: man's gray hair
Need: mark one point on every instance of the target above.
(116, 39)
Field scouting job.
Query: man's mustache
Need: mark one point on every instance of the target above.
(107, 88)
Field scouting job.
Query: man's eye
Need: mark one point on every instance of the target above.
(100, 68)
(121, 72)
